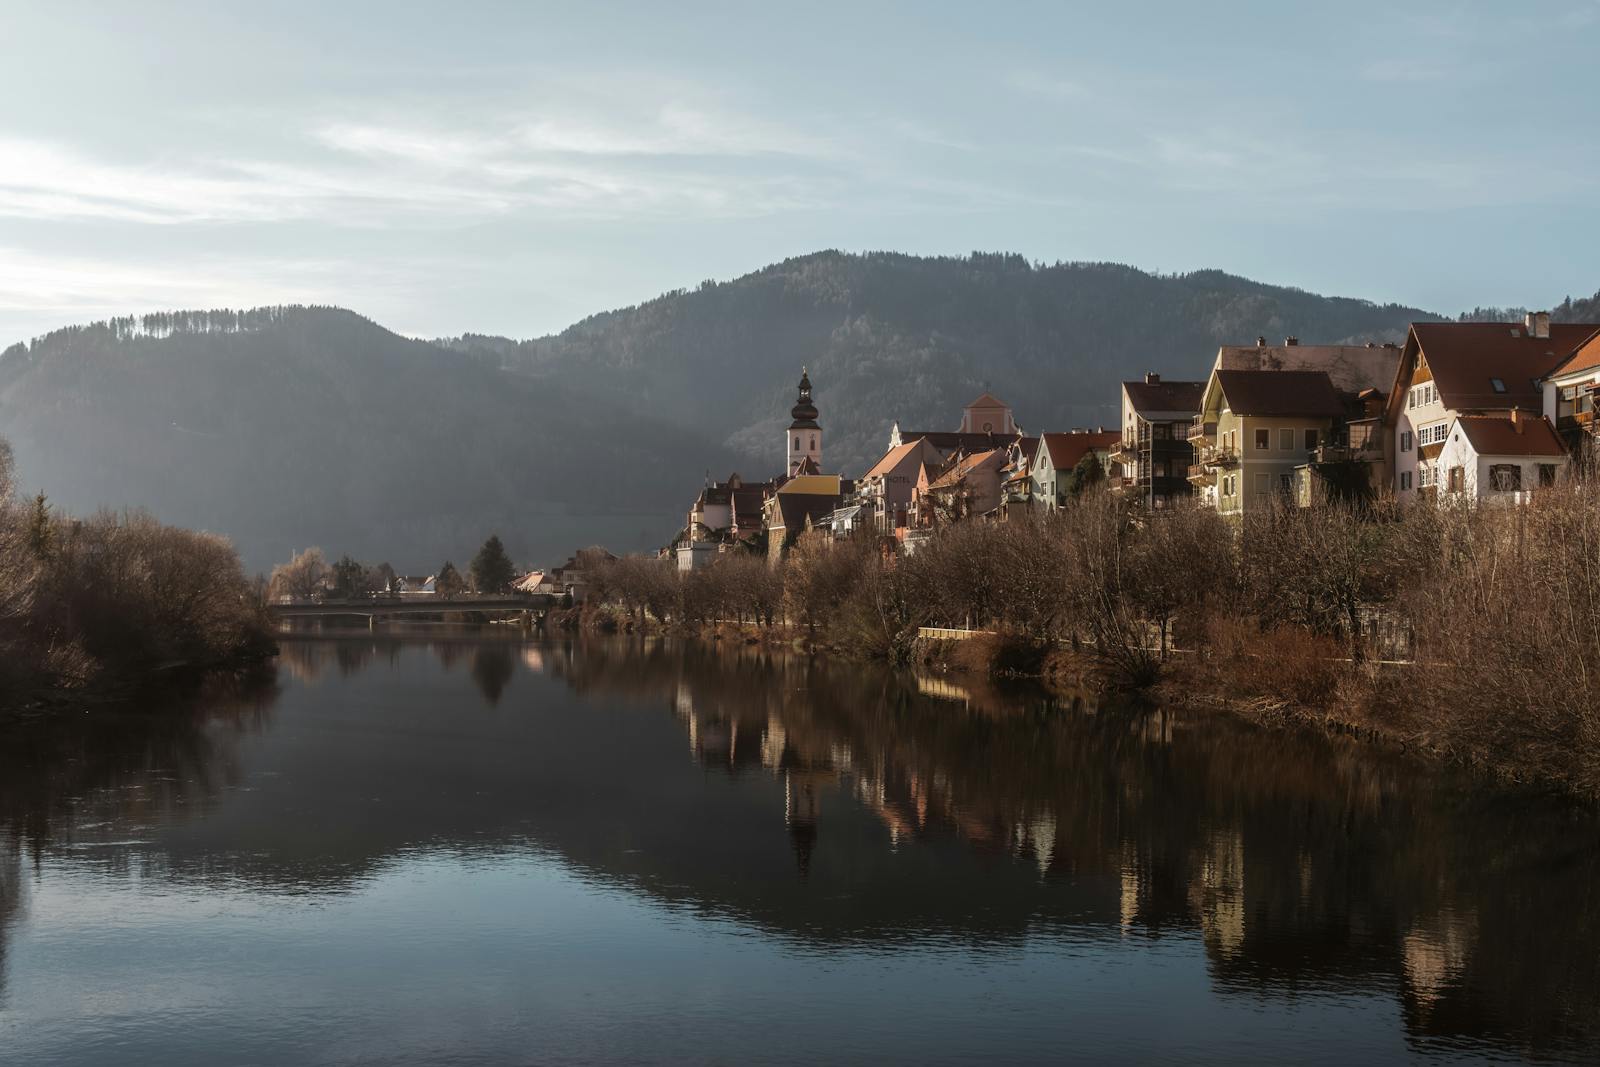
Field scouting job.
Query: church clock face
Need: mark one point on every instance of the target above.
(988, 427)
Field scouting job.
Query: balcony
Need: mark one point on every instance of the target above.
(1202, 433)
(1218, 457)
(1200, 474)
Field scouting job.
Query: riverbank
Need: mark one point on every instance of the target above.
(1279, 680)
(101, 608)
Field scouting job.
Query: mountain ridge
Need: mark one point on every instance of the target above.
(283, 427)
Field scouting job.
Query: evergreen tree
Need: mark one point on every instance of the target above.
(1088, 474)
(492, 571)
(41, 531)
(349, 578)
(448, 582)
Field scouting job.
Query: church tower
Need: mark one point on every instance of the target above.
(805, 436)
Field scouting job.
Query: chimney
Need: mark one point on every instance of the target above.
(1261, 340)
(1291, 341)
(1151, 378)
(1516, 419)
(1538, 323)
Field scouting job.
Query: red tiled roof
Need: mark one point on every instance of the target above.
(1466, 357)
(1497, 435)
(1280, 393)
(965, 466)
(1066, 449)
(1165, 396)
(1587, 357)
(952, 440)
(892, 459)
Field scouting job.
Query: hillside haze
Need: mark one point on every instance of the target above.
(284, 428)
(296, 426)
(889, 336)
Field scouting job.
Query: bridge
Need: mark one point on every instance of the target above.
(384, 606)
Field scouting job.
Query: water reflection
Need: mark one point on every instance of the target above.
(832, 806)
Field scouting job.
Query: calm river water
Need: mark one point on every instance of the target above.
(455, 849)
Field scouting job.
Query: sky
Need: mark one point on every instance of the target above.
(512, 168)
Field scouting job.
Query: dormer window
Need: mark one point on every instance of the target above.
(1498, 385)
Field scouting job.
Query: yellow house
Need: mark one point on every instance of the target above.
(1254, 428)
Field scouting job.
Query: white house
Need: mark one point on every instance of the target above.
(1498, 458)
(1449, 369)
(1570, 390)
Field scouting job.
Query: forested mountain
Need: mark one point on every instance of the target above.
(289, 427)
(889, 336)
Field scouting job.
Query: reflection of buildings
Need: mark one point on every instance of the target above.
(1435, 954)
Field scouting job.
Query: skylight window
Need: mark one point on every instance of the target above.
(1499, 386)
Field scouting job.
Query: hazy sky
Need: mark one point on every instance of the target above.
(511, 168)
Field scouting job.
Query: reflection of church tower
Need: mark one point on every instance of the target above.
(805, 436)
(802, 803)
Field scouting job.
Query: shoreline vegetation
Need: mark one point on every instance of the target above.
(1468, 634)
(101, 607)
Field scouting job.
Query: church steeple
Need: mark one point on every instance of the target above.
(804, 439)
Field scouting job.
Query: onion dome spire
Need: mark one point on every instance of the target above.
(804, 411)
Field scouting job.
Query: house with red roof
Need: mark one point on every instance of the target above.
(1499, 459)
(1569, 394)
(1256, 430)
(1451, 369)
(1059, 454)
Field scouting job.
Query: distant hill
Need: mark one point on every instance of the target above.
(294, 426)
(889, 336)
(297, 426)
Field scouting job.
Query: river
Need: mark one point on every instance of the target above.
(463, 848)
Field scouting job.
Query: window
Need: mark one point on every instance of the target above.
(1286, 440)
(1425, 475)
(813, 442)
(1405, 440)
(1547, 475)
(1458, 479)
(1405, 480)
(1263, 483)
(1311, 440)
(1498, 385)
(1505, 477)
(1432, 435)
(1431, 393)
(1263, 439)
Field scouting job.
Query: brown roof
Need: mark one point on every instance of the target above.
(1587, 357)
(1466, 357)
(965, 466)
(1066, 449)
(1280, 393)
(795, 508)
(1497, 435)
(892, 459)
(1165, 396)
(950, 441)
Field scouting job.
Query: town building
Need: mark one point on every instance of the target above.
(1569, 394)
(801, 503)
(1496, 459)
(1254, 429)
(1154, 452)
(724, 515)
(1059, 454)
(1450, 369)
(804, 439)
(1351, 368)
(986, 423)
(884, 493)
(968, 486)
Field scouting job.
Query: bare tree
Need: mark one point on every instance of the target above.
(302, 578)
